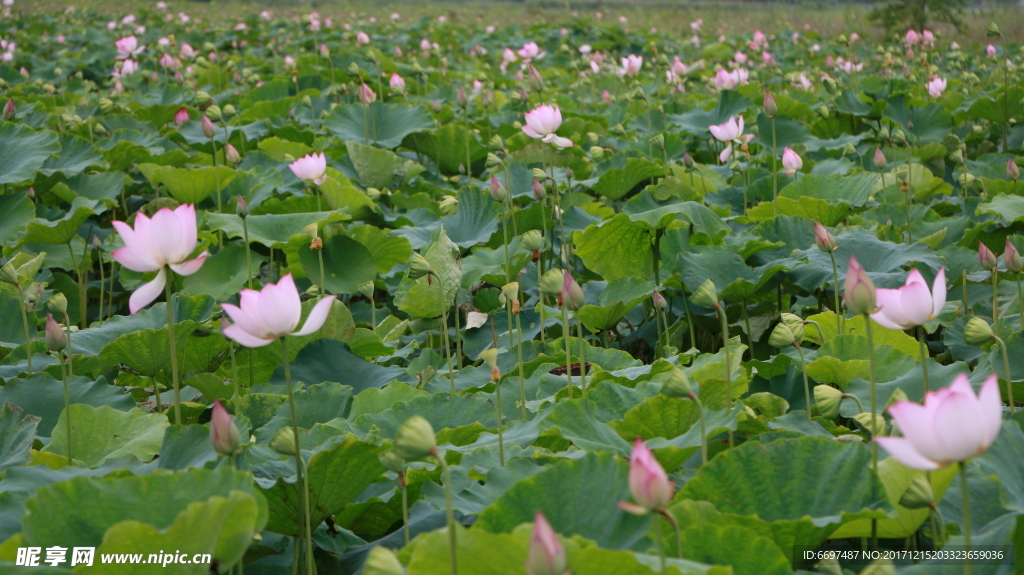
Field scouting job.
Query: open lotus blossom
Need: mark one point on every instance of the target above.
(631, 65)
(648, 482)
(530, 51)
(759, 41)
(913, 303)
(362, 39)
(311, 168)
(791, 161)
(731, 133)
(990, 51)
(128, 47)
(542, 122)
(546, 555)
(936, 87)
(156, 244)
(274, 312)
(952, 426)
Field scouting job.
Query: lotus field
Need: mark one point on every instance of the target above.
(297, 295)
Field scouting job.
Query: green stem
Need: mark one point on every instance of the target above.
(1020, 305)
(373, 315)
(248, 251)
(750, 333)
(775, 174)
(449, 514)
(675, 527)
(995, 300)
(458, 334)
(323, 276)
(522, 376)
(689, 321)
(405, 506)
(807, 387)
(67, 331)
(81, 285)
(856, 400)
(966, 494)
(840, 320)
(583, 357)
(67, 405)
(501, 419)
(874, 411)
(703, 429)
(728, 359)
(1006, 368)
(924, 357)
(967, 306)
(566, 335)
(173, 344)
(237, 396)
(661, 543)
(299, 466)
(444, 331)
(941, 534)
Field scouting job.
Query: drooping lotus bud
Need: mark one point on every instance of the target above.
(207, 126)
(828, 399)
(533, 240)
(203, 99)
(391, 461)
(993, 30)
(382, 561)
(919, 494)
(231, 154)
(415, 439)
(419, 267)
(771, 109)
(648, 483)
(1011, 258)
(551, 282)
(678, 384)
(498, 191)
(706, 295)
(56, 339)
(366, 288)
(795, 324)
(534, 80)
(823, 238)
(859, 293)
(977, 331)
(987, 258)
(58, 303)
(223, 432)
(539, 192)
(571, 295)
(312, 230)
(880, 161)
(1012, 171)
(8, 274)
(228, 112)
(874, 424)
(509, 296)
(781, 336)
(10, 112)
(546, 555)
(213, 113)
(284, 441)
(658, 301)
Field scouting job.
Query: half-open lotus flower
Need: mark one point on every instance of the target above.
(953, 425)
(272, 313)
(542, 122)
(731, 133)
(912, 304)
(311, 168)
(156, 244)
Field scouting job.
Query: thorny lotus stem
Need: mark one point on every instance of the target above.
(566, 335)
(703, 430)
(1020, 300)
(924, 357)
(458, 334)
(67, 405)
(728, 359)
(1006, 368)
(583, 357)
(966, 494)
(103, 283)
(444, 330)
(299, 464)
(807, 387)
(82, 303)
(173, 344)
(840, 320)
(874, 411)
(373, 315)
(450, 515)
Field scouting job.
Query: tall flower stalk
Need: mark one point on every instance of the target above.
(56, 341)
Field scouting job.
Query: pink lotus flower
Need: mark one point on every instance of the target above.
(310, 168)
(730, 132)
(181, 116)
(759, 41)
(362, 38)
(912, 39)
(987, 259)
(186, 52)
(396, 83)
(168, 61)
(990, 50)
(824, 239)
(156, 244)
(648, 482)
(128, 67)
(508, 56)
(367, 95)
(223, 432)
(571, 295)
(936, 87)
(128, 47)
(542, 122)
(953, 425)
(529, 51)
(791, 161)
(546, 555)
(272, 313)
(725, 80)
(859, 293)
(912, 304)
(678, 68)
(927, 37)
(631, 65)
(739, 57)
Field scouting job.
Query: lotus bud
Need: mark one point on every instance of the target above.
(546, 556)
(415, 439)
(874, 424)
(418, 268)
(830, 565)
(382, 561)
(782, 336)
(490, 357)
(658, 141)
(367, 95)
(551, 282)
(391, 461)
(824, 239)
(987, 258)
(957, 156)
(951, 141)
(658, 301)
(228, 112)
(771, 109)
(58, 304)
(688, 161)
(532, 240)
(231, 154)
(849, 149)
(993, 30)
(977, 331)
(97, 244)
(572, 294)
(597, 153)
(449, 205)
(880, 161)
(207, 126)
(460, 98)
(498, 191)
(1012, 171)
(283, 442)
(831, 87)
(56, 339)
(534, 80)
(678, 384)
(795, 324)
(203, 99)
(706, 295)
(539, 191)
(859, 293)
(899, 137)
(223, 432)
(510, 295)
(897, 396)
(437, 106)
(214, 113)
(10, 112)
(539, 174)
(828, 399)
(919, 494)
(426, 374)
(1011, 258)
(366, 288)
(8, 274)
(496, 143)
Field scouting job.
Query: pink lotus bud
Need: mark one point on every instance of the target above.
(367, 95)
(791, 161)
(56, 340)
(460, 98)
(546, 555)
(771, 109)
(311, 168)
(823, 238)
(498, 191)
(10, 112)
(1012, 171)
(648, 482)
(223, 432)
(571, 295)
(859, 294)
(231, 154)
(658, 301)
(539, 193)
(880, 161)
(397, 52)
(396, 83)
(207, 125)
(986, 257)
(1011, 258)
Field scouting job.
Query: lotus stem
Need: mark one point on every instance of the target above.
(67, 330)
(840, 320)
(728, 359)
(444, 330)
(67, 405)
(566, 335)
(675, 527)
(1006, 368)
(449, 514)
(924, 357)
(237, 397)
(967, 306)
(966, 494)
(703, 430)
(323, 276)
(522, 376)
(299, 464)
(405, 505)
(874, 411)
(583, 357)
(775, 174)
(248, 251)
(803, 371)
(172, 344)
(661, 544)
(24, 321)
